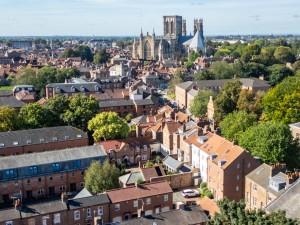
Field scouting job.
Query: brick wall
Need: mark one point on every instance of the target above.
(180, 180)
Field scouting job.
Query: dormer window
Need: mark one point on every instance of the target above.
(15, 143)
(79, 135)
(29, 141)
(221, 162)
(72, 89)
(57, 89)
(67, 137)
(54, 138)
(213, 156)
(2, 144)
(111, 153)
(82, 89)
(42, 140)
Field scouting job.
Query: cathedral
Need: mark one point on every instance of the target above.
(174, 43)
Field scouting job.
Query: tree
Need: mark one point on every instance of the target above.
(81, 110)
(8, 119)
(272, 143)
(205, 74)
(226, 102)
(251, 101)
(222, 70)
(193, 56)
(177, 79)
(198, 106)
(250, 51)
(33, 115)
(277, 73)
(70, 52)
(232, 212)
(284, 54)
(129, 117)
(108, 125)
(66, 73)
(234, 124)
(101, 57)
(101, 177)
(58, 106)
(84, 52)
(282, 103)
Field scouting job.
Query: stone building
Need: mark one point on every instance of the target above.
(173, 44)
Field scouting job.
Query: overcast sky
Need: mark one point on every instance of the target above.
(126, 17)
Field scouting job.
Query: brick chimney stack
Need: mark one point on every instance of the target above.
(276, 168)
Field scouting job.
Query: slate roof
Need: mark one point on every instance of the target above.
(188, 215)
(261, 176)
(288, 201)
(5, 93)
(197, 41)
(19, 161)
(143, 191)
(193, 92)
(88, 201)
(172, 163)
(40, 136)
(77, 87)
(140, 119)
(185, 85)
(11, 101)
(124, 102)
(83, 194)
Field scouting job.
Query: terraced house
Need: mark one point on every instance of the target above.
(44, 174)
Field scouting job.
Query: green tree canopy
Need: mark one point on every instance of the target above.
(272, 143)
(277, 73)
(284, 54)
(8, 119)
(33, 115)
(251, 101)
(222, 70)
(79, 51)
(234, 124)
(101, 177)
(102, 56)
(198, 106)
(108, 125)
(282, 103)
(58, 106)
(81, 110)
(232, 212)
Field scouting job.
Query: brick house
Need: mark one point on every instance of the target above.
(78, 210)
(143, 199)
(44, 174)
(266, 183)
(40, 140)
(71, 89)
(227, 167)
(129, 151)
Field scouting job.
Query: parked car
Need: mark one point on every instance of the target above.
(189, 193)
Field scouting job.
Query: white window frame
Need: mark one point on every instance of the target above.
(135, 203)
(9, 222)
(76, 215)
(166, 197)
(100, 210)
(148, 201)
(117, 207)
(56, 218)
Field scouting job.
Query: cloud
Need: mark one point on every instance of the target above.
(256, 17)
(296, 16)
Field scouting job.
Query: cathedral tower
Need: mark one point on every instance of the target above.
(172, 26)
(183, 27)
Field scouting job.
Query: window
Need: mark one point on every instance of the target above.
(10, 173)
(33, 170)
(238, 166)
(67, 137)
(238, 177)
(55, 167)
(135, 203)
(4, 185)
(73, 174)
(29, 141)
(16, 183)
(118, 161)
(77, 215)
(166, 198)
(40, 180)
(54, 138)
(88, 212)
(42, 140)
(56, 218)
(79, 135)
(40, 191)
(148, 201)
(76, 163)
(145, 148)
(82, 173)
(81, 184)
(62, 176)
(50, 178)
(255, 187)
(28, 181)
(219, 175)
(218, 187)
(9, 223)
(62, 187)
(117, 207)
(249, 165)
(144, 157)
(100, 210)
(31, 221)
(15, 143)
(137, 148)
(209, 179)
(254, 201)
(248, 197)
(261, 204)
(237, 188)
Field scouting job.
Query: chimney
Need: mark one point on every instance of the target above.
(276, 168)
(117, 146)
(184, 128)
(200, 131)
(291, 177)
(234, 142)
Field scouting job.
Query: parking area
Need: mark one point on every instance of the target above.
(177, 196)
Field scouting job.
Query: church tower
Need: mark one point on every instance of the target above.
(183, 27)
(172, 26)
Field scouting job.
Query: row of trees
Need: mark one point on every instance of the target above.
(232, 212)
(79, 111)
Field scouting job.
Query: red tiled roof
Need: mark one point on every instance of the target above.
(152, 172)
(143, 191)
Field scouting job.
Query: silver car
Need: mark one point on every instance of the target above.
(189, 193)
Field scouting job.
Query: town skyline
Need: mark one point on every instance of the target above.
(126, 18)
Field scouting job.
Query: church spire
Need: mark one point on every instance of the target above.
(141, 32)
(153, 32)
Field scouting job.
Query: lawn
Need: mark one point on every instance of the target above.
(6, 88)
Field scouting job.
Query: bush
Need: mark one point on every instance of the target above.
(209, 195)
(203, 185)
(204, 189)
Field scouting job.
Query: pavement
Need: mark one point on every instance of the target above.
(177, 196)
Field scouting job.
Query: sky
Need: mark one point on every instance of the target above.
(127, 17)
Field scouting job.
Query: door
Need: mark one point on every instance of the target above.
(73, 187)
(29, 194)
(51, 191)
(5, 198)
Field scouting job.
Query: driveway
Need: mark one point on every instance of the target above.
(177, 196)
